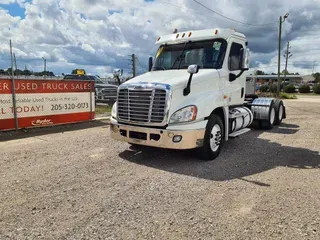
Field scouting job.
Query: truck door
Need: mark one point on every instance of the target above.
(235, 89)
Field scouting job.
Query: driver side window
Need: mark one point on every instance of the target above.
(234, 57)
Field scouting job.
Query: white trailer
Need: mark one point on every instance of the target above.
(194, 96)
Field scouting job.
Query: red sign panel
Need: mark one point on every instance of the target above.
(45, 102)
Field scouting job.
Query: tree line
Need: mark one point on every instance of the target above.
(25, 72)
(259, 72)
(315, 75)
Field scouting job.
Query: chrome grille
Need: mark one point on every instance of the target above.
(142, 105)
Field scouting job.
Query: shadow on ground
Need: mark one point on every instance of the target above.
(285, 128)
(240, 157)
(35, 132)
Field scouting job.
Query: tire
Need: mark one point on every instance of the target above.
(268, 124)
(279, 112)
(213, 139)
(256, 124)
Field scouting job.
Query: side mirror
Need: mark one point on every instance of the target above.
(232, 77)
(150, 63)
(244, 58)
(117, 72)
(193, 69)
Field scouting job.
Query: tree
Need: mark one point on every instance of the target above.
(9, 71)
(316, 77)
(44, 73)
(289, 73)
(259, 72)
(2, 72)
(18, 72)
(26, 72)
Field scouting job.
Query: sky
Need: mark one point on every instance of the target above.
(98, 35)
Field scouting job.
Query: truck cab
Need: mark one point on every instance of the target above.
(193, 97)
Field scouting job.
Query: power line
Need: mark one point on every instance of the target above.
(233, 20)
(142, 68)
(201, 14)
(177, 6)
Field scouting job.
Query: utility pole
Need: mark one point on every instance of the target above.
(14, 102)
(45, 65)
(314, 62)
(134, 64)
(279, 50)
(15, 61)
(287, 55)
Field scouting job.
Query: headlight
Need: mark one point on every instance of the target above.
(114, 110)
(186, 114)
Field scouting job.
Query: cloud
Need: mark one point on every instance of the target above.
(98, 35)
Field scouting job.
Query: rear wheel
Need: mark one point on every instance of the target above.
(213, 139)
(279, 112)
(268, 124)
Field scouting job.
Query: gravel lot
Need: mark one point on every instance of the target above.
(76, 183)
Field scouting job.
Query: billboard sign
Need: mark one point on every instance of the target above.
(45, 102)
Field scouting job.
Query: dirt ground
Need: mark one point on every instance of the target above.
(76, 183)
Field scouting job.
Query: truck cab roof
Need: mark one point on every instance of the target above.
(199, 35)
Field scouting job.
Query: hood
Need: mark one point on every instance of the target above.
(175, 78)
(105, 85)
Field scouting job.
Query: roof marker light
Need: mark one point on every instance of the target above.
(177, 35)
(183, 35)
(216, 32)
(190, 33)
(159, 38)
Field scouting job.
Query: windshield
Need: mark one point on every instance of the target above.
(206, 54)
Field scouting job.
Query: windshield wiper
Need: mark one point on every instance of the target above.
(180, 56)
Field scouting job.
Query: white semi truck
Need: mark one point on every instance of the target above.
(194, 97)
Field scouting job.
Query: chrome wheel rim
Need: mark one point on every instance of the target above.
(272, 116)
(215, 137)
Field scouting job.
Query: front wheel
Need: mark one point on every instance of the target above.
(213, 139)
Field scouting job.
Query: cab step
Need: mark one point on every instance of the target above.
(238, 133)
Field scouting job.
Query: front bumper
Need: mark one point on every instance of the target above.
(157, 137)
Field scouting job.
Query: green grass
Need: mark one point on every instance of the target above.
(103, 109)
(282, 95)
(288, 96)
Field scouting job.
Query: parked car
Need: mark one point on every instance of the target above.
(104, 92)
